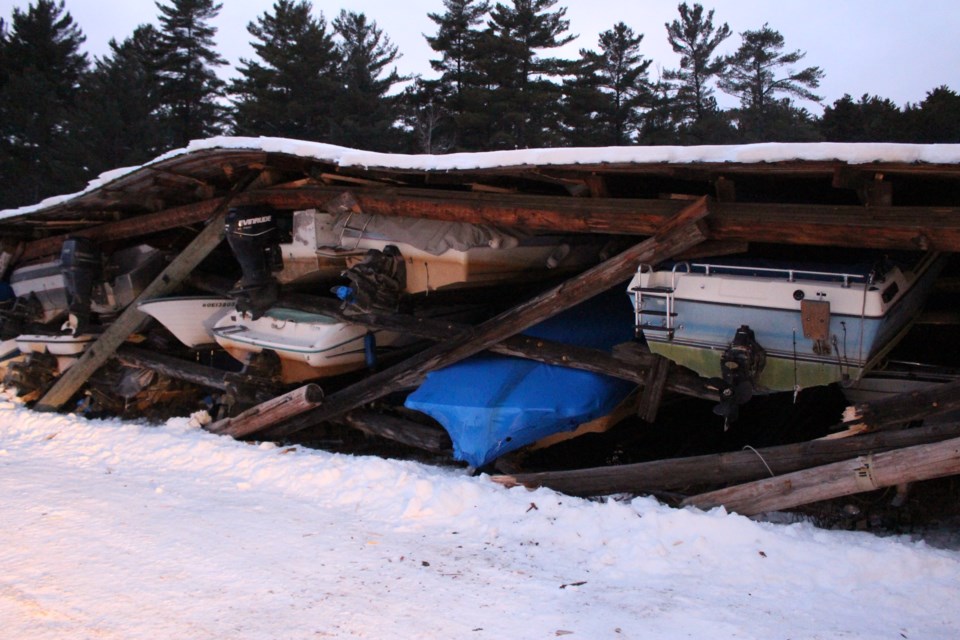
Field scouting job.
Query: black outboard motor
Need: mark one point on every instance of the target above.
(255, 242)
(740, 365)
(82, 267)
(376, 282)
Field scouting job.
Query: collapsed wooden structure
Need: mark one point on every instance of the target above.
(657, 208)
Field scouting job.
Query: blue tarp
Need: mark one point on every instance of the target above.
(491, 404)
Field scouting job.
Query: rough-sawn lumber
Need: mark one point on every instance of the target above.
(857, 475)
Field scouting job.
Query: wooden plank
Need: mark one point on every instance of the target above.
(682, 232)
(127, 322)
(857, 475)
(724, 468)
(272, 411)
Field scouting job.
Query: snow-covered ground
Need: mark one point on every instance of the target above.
(124, 530)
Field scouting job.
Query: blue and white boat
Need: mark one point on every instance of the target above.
(492, 404)
(777, 328)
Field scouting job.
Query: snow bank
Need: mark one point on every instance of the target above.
(126, 530)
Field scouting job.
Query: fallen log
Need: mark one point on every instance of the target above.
(681, 233)
(856, 475)
(173, 367)
(414, 434)
(724, 468)
(274, 410)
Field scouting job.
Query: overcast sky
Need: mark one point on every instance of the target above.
(892, 48)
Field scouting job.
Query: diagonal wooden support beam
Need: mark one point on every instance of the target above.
(683, 231)
(110, 340)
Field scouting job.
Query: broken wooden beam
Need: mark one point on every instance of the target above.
(629, 361)
(683, 231)
(905, 407)
(724, 468)
(272, 411)
(856, 475)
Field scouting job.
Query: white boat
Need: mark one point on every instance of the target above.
(777, 328)
(124, 275)
(189, 318)
(45, 281)
(309, 345)
(66, 347)
(436, 254)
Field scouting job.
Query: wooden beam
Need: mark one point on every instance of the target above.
(682, 232)
(272, 411)
(724, 468)
(127, 322)
(916, 228)
(857, 475)
(626, 363)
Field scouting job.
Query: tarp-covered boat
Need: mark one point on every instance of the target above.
(491, 404)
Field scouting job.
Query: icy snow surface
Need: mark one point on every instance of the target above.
(114, 530)
(857, 153)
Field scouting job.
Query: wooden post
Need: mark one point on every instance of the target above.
(724, 468)
(680, 233)
(127, 322)
(271, 411)
(857, 475)
(653, 389)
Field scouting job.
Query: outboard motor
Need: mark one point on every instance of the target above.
(376, 282)
(255, 242)
(740, 366)
(82, 267)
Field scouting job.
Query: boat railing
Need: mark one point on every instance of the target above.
(790, 274)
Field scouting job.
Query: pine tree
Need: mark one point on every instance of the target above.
(120, 104)
(190, 87)
(456, 41)
(871, 119)
(936, 119)
(521, 99)
(604, 98)
(364, 111)
(751, 76)
(450, 106)
(287, 91)
(41, 68)
(696, 39)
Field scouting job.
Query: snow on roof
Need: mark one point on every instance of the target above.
(850, 153)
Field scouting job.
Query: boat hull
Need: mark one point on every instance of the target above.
(190, 318)
(309, 345)
(862, 323)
